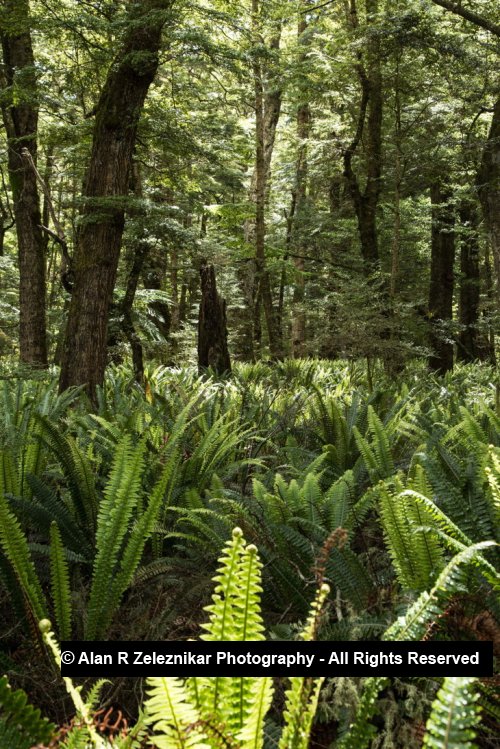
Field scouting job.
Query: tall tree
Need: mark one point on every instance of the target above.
(249, 324)
(442, 279)
(488, 182)
(488, 178)
(468, 348)
(299, 199)
(365, 200)
(106, 184)
(20, 117)
(262, 165)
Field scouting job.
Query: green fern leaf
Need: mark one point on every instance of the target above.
(176, 721)
(60, 585)
(15, 546)
(21, 725)
(115, 512)
(454, 715)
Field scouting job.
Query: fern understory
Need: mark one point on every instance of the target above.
(112, 523)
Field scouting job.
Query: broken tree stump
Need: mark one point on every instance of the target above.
(212, 328)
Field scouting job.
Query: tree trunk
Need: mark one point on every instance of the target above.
(488, 182)
(153, 278)
(105, 189)
(256, 281)
(441, 281)
(468, 349)
(212, 331)
(140, 253)
(7, 219)
(20, 118)
(370, 115)
(303, 128)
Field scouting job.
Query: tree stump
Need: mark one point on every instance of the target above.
(212, 328)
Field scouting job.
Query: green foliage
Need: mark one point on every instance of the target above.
(15, 547)
(21, 725)
(147, 490)
(454, 715)
(60, 583)
(218, 712)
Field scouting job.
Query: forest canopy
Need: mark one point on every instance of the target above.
(337, 164)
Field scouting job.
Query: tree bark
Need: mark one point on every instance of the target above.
(106, 185)
(20, 116)
(468, 348)
(442, 280)
(366, 200)
(256, 282)
(7, 219)
(212, 330)
(300, 198)
(488, 184)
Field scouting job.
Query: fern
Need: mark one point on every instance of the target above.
(454, 715)
(15, 546)
(173, 717)
(21, 725)
(115, 512)
(361, 731)
(59, 578)
(221, 712)
(429, 605)
(77, 471)
(416, 555)
(412, 626)
(376, 455)
(301, 698)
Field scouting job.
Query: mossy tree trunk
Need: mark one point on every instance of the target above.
(20, 117)
(106, 186)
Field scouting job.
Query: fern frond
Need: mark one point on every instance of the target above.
(301, 698)
(15, 546)
(115, 512)
(21, 725)
(251, 735)
(454, 715)
(77, 470)
(176, 721)
(59, 579)
(452, 580)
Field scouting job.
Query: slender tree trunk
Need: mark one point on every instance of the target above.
(153, 278)
(468, 349)
(303, 128)
(105, 189)
(366, 200)
(7, 219)
(488, 182)
(262, 167)
(248, 324)
(398, 168)
(441, 281)
(490, 293)
(20, 116)
(140, 253)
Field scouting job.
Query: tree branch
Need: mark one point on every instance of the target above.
(469, 15)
